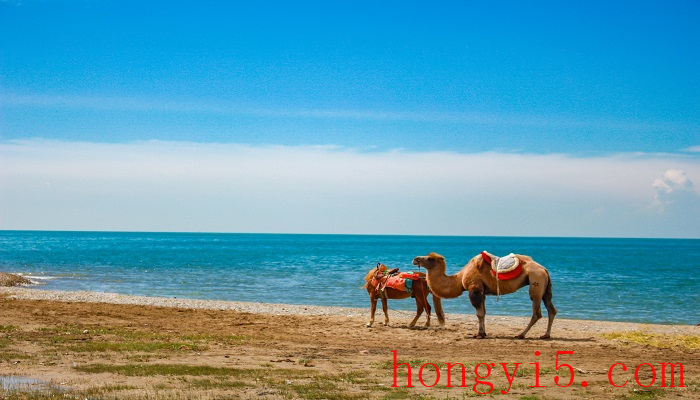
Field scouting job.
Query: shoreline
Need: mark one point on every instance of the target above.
(581, 326)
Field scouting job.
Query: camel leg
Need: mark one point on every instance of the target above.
(538, 288)
(478, 300)
(551, 310)
(427, 310)
(419, 311)
(385, 308)
(437, 302)
(536, 315)
(422, 294)
(372, 309)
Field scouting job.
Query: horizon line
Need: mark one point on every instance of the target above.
(337, 234)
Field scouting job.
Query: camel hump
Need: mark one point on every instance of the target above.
(487, 256)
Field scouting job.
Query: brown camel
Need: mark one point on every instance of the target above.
(476, 278)
(420, 292)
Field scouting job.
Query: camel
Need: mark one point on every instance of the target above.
(476, 278)
(420, 293)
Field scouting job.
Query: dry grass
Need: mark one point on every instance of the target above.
(690, 342)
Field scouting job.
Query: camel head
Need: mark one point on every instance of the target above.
(379, 269)
(430, 261)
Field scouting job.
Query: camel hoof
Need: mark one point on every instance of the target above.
(368, 325)
(480, 336)
(545, 337)
(520, 337)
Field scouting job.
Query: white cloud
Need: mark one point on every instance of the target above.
(177, 186)
(673, 179)
(674, 189)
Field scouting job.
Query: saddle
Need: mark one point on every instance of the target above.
(503, 268)
(394, 279)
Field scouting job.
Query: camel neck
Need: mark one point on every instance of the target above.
(444, 286)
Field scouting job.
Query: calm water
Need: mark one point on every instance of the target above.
(641, 280)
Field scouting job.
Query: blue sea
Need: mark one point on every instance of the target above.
(637, 280)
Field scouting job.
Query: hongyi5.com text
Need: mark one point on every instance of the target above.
(665, 374)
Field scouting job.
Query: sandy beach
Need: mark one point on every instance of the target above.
(104, 345)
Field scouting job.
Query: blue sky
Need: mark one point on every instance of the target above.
(593, 110)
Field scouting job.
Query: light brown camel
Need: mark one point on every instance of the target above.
(419, 292)
(476, 278)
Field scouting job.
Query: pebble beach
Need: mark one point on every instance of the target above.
(582, 326)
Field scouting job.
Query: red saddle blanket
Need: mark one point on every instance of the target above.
(398, 283)
(414, 276)
(403, 281)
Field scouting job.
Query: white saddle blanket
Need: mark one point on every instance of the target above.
(503, 264)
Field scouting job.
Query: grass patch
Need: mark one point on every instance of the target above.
(396, 393)
(414, 363)
(354, 377)
(643, 394)
(186, 370)
(144, 347)
(84, 339)
(225, 339)
(294, 383)
(4, 341)
(531, 371)
(399, 393)
(12, 356)
(33, 395)
(211, 384)
(139, 358)
(323, 389)
(71, 332)
(102, 390)
(691, 342)
(166, 369)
